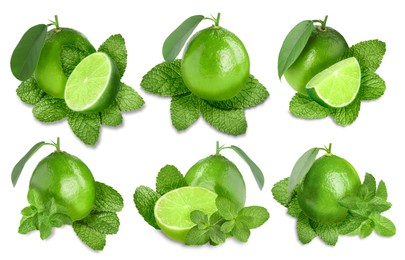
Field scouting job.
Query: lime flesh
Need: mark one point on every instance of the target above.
(172, 210)
(336, 86)
(93, 84)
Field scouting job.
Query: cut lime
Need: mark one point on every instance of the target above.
(93, 84)
(336, 86)
(172, 210)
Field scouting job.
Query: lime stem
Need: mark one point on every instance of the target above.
(56, 145)
(328, 149)
(323, 23)
(215, 20)
(56, 22)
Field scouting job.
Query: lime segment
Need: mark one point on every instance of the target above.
(93, 84)
(172, 210)
(336, 86)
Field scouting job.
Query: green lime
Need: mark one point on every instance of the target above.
(215, 64)
(330, 179)
(68, 180)
(49, 73)
(93, 84)
(219, 175)
(172, 210)
(323, 49)
(336, 86)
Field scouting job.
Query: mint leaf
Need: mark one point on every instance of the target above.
(197, 236)
(304, 107)
(45, 229)
(227, 226)
(50, 109)
(366, 228)
(29, 211)
(36, 200)
(29, 92)
(367, 190)
(327, 233)
(216, 219)
(28, 224)
(226, 208)
(165, 80)
(294, 208)
(241, 232)
(85, 126)
(103, 222)
(256, 215)
(70, 57)
(378, 204)
(231, 122)
(89, 236)
(368, 53)
(200, 218)
(372, 86)
(169, 178)
(216, 235)
(346, 115)
(184, 111)
(280, 192)
(128, 99)
(350, 224)
(145, 199)
(107, 199)
(350, 202)
(58, 220)
(382, 191)
(115, 47)
(111, 116)
(383, 226)
(251, 95)
(304, 229)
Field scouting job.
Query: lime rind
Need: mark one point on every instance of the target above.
(336, 86)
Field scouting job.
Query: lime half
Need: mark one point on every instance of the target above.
(172, 210)
(336, 86)
(93, 84)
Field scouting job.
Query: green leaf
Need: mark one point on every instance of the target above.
(304, 107)
(280, 192)
(232, 122)
(383, 226)
(257, 173)
(368, 189)
(184, 111)
(36, 200)
(145, 199)
(45, 230)
(165, 80)
(366, 228)
(327, 233)
(111, 116)
(241, 232)
(28, 224)
(70, 57)
(50, 109)
(85, 126)
(293, 45)
(378, 204)
(226, 208)
(251, 95)
(216, 235)
(176, 40)
(29, 211)
(294, 208)
(15, 174)
(89, 236)
(29, 92)
(382, 191)
(103, 222)
(346, 115)
(200, 218)
(216, 219)
(115, 47)
(350, 202)
(227, 226)
(58, 220)
(369, 54)
(26, 54)
(304, 229)
(197, 236)
(350, 224)
(301, 168)
(372, 86)
(107, 199)
(257, 216)
(128, 99)
(169, 178)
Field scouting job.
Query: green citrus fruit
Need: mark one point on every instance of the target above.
(67, 179)
(93, 84)
(323, 49)
(329, 179)
(49, 72)
(215, 64)
(219, 175)
(172, 210)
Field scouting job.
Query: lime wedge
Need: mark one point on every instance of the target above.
(336, 86)
(172, 210)
(93, 84)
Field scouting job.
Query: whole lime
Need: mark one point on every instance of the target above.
(219, 175)
(49, 72)
(68, 180)
(329, 179)
(324, 48)
(215, 64)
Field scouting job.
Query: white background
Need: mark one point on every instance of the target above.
(132, 154)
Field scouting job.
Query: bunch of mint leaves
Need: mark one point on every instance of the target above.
(369, 54)
(86, 126)
(92, 230)
(226, 116)
(228, 221)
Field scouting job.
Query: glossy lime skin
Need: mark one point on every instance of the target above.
(49, 73)
(330, 179)
(68, 180)
(219, 175)
(323, 49)
(215, 64)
